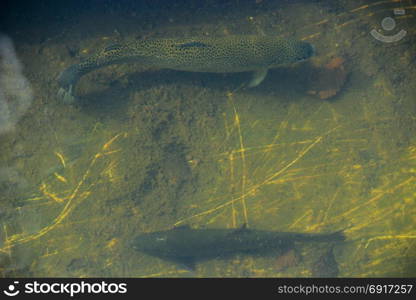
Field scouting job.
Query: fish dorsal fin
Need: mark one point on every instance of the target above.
(193, 45)
(240, 230)
(181, 227)
(112, 47)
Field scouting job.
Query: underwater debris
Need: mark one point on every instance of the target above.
(16, 93)
(327, 81)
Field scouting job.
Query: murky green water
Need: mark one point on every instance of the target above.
(147, 150)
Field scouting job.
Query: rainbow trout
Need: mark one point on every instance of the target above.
(187, 246)
(203, 54)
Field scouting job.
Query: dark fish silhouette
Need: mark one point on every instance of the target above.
(187, 246)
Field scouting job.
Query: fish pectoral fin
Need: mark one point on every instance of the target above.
(258, 77)
(66, 94)
(187, 262)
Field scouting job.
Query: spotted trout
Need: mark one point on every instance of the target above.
(238, 53)
(187, 246)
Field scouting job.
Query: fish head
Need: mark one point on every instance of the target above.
(292, 52)
(154, 243)
(302, 51)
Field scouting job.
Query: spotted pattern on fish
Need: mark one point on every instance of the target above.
(238, 53)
